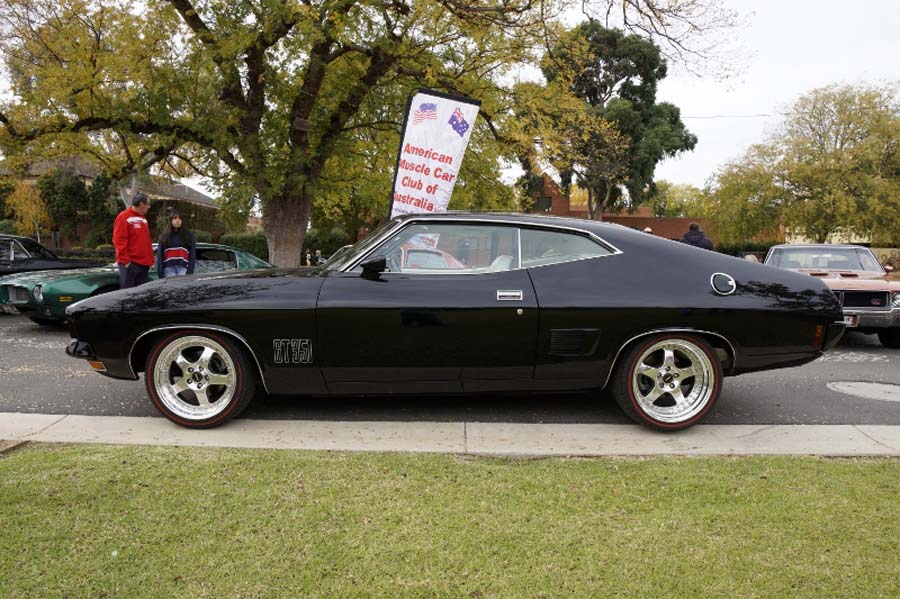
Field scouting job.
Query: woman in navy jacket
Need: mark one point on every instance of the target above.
(176, 253)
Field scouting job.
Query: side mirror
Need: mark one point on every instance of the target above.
(889, 268)
(374, 267)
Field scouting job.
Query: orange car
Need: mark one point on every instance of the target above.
(871, 301)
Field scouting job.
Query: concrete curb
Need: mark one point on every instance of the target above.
(475, 438)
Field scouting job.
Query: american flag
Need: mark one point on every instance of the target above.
(425, 111)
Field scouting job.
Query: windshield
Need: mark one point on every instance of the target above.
(37, 250)
(825, 258)
(348, 253)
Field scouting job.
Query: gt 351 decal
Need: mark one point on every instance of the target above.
(292, 351)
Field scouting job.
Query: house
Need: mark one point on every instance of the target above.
(200, 211)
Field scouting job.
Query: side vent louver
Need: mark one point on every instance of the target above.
(573, 342)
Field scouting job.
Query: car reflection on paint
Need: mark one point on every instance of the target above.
(504, 303)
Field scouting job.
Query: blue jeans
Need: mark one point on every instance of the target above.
(174, 271)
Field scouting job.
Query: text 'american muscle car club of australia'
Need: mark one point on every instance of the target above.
(465, 303)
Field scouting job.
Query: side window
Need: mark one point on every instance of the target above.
(450, 248)
(214, 260)
(5, 250)
(18, 252)
(542, 247)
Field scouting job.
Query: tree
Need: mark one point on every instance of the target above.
(64, 194)
(696, 34)
(669, 199)
(616, 75)
(256, 94)
(832, 166)
(102, 208)
(746, 200)
(28, 211)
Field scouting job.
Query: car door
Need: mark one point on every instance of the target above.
(432, 320)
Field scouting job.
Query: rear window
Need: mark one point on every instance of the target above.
(541, 247)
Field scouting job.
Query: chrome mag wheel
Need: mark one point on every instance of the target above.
(673, 380)
(195, 377)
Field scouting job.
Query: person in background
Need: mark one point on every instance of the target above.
(176, 252)
(320, 260)
(697, 238)
(131, 238)
(308, 258)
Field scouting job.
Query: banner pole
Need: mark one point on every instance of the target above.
(409, 100)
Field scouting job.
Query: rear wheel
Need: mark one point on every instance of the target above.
(199, 379)
(668, 382)
(890, 337)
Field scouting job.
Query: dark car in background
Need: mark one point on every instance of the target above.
(23, 254)
(537, 304)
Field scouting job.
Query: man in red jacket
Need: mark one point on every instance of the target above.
(134, 250)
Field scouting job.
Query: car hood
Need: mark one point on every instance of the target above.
(841, 274)
(861, 284)
(43, 277)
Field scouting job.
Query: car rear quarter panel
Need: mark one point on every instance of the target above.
(655, 284)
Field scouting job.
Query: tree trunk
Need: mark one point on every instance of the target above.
(285, 224)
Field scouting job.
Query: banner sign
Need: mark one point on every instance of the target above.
(434, 139)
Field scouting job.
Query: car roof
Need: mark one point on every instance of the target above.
(16, 237)
(820, 245)
(564, 222)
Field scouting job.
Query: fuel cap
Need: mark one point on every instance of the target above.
(722, 283)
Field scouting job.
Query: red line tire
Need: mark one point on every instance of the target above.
(199, 379)
(668, 382)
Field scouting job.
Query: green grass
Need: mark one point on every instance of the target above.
(93, 521)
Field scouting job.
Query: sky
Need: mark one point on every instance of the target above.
(789, 48)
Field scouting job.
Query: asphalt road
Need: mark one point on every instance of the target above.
(37, 377)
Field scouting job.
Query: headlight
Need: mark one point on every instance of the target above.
(896, 301)
(38, 294)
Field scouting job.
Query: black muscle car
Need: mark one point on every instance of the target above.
(456, 303)
(23, 254)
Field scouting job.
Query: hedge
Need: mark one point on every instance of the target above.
(745, 247)
(255, 243)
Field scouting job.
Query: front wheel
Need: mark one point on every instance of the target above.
(668, 382)
(199, 379)
(890, 337)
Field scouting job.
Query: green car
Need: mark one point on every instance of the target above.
(44, 295)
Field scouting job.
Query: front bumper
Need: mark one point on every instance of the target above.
(117, 368)
(80, 349)
(872, 319)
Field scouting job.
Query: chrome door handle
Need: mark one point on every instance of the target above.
(509, 295)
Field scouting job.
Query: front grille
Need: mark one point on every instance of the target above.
(875, 300)
(17, 295)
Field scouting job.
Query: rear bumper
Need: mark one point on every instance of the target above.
(833, 334)
(874, 319)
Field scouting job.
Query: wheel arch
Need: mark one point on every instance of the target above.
(140, 348)
(717, 340)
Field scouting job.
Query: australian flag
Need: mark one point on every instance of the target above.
(458, 122)
(424, 112)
